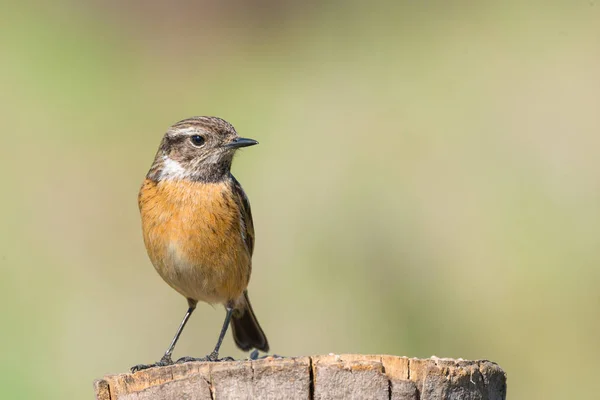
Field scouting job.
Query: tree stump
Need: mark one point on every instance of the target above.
(350, 376)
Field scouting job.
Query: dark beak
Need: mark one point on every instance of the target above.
(240, 142)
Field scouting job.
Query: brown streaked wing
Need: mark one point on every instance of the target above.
(244, 204)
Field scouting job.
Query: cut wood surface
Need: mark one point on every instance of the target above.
(346, 376)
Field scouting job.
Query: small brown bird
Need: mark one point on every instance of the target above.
(198, 227)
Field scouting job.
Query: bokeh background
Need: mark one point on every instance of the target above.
(427, 183)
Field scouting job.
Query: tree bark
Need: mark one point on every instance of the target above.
(347, 376)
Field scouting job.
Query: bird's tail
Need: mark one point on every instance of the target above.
(247, 333)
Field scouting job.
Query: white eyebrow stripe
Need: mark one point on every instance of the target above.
(179, 131)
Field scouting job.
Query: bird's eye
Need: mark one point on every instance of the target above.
(197, 140)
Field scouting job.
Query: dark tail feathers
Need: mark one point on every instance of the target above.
(247, 333)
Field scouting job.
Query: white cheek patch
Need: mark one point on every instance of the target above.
(172, 169)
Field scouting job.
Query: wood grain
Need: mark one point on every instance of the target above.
(346, 376)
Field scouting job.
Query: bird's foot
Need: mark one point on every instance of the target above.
(190, 359)
(212, 357)
(164, 361)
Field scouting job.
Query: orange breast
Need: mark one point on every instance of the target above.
(192, 232)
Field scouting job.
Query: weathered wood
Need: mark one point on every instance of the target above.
(347, 376)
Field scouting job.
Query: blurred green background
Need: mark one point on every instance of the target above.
(427, 183)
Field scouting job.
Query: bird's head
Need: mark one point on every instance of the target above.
(197, 148)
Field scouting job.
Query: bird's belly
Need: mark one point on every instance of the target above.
(196, 244)
(215, 277)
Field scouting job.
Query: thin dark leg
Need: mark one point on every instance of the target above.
(166, 359)
(179, 330)
(214, 356)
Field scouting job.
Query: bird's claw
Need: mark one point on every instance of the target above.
(164, 361)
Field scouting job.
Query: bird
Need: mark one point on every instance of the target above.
(198, 229)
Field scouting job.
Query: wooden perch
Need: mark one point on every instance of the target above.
(350, 376)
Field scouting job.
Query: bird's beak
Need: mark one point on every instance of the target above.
(240, 142)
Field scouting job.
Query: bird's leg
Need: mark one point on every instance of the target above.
(169, 351)
(166, 359)
(214, 356)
